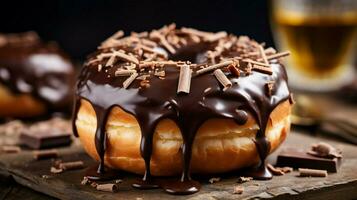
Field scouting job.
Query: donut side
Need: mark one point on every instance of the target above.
(220, 145)
(19, 105)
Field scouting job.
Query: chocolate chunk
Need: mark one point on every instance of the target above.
(299, 159)
(41, 139)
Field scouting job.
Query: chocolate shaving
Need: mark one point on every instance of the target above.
(276, 56)
(222, 78)
(243, 179)
(238, 189)
(256, 63)
(275, 171)
(145, 84)
(195, 32)
(151, 50)
(119, 54)
(285, 169)
(261, 69)
(149, 43)
(269, 87)
(323, 149)
(234, 70)
(262, 54)
(71, 165)
(85, 181)
(213, 67)
(121, 72)
(55, 170)
(184, 79)
(163, 41)
(129, 80)
(216, 36)
(312, 172)
(109, 187)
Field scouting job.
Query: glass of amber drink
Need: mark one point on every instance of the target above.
(321, 36)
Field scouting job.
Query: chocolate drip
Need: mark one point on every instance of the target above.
(39, 69)
(206, 100)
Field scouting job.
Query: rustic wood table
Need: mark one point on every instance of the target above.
(21, 177)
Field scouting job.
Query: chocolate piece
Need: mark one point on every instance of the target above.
(300, 159)
(42, 139)
(10, 149)
(45, 154)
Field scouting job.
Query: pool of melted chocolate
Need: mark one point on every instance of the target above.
(189, 111)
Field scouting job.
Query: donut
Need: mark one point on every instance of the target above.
(179, 101)
(36, 78)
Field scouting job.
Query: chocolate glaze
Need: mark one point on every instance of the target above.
(39, 69)
(150, 105)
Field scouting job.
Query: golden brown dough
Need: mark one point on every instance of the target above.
(220, 145)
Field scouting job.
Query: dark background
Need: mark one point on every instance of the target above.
(80, 25)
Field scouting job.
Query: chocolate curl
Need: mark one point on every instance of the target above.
(312, 172)
(164, 42)
(110, 187)
(121, 72)
(71, 165)
(222, 78)
(275, 171)
(276, 56)
(262, 54)
(129, 80)
(213, 67)
(184, 79)
(261, 69)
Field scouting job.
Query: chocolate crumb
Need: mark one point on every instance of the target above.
(238, 189)
(118, 181)
(85, 181)
(55, 170)
(243, 179)
(214, 180)
(275, 171)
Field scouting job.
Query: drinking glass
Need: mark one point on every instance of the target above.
(321, 36)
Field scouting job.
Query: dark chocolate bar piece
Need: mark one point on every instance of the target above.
(300, 159)
(41, 139)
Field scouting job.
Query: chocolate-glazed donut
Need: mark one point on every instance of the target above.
(36, 78)
(176, 101)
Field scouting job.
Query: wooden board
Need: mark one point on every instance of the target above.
(36, 175)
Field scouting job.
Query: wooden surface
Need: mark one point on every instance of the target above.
(30, 179)
(36, 175)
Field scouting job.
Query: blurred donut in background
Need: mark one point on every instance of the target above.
(36, 77)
